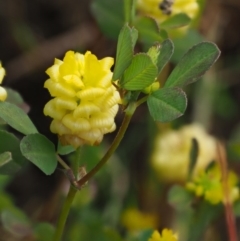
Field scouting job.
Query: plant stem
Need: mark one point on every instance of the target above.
(70, 197)
(128, 115)
(72, 191)
(129, 11)
(142, 100)
(64, 213)
(230, 219)
(63, 163)
(75, 164)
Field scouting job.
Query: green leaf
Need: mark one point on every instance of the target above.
(146, 234)
(16, 118)
(44, 231)
(166, 51)
(167, 104)
(179, 197)
(134, 34)
(163, 34)
(140, 74)
(64, 150)
(176, 21)
(7, 165)
(148, 29)
(202, 218)
(194, 152)
(40, 151)
(124, 51)
(193, 64)
(236, 208)
(16, 222)
(14, 97)
(192, 37)
(109, 16)
(10, 143)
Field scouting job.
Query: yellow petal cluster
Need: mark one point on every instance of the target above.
(152, 8)
(209, 185)
(3, 92)
(167, 235)
(135, 220)
(171, 154)
(85, 101)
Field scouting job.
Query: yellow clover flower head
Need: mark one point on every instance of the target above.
(161, 10)
(135, 220)
(85, 101)
(171, 154)
(167, 235)
(209, 185)
(3, 92)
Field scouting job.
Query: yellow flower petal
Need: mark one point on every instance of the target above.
(167, 235)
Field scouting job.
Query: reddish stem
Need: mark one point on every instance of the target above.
(230, 219)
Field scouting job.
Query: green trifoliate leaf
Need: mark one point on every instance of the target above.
(16, 118)
(140, 74)
(167, 104)
(126, 41)
(193, 64)
(10, 143)
(7, 165)
(109, 16)
(148, 29)
(40, 151)
(176, 21)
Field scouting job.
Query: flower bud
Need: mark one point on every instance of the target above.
(3, 92)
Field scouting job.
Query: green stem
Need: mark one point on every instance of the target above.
(64, 214)
(70, 197)
(129, 11)
(142, 100)
(75, 164)
(63, 163)
(128, 115)
(72, 191)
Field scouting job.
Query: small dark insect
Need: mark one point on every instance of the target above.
(166, 6)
